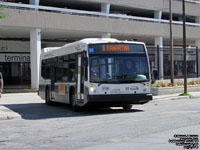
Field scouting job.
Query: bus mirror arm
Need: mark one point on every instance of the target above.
(154, 76)
(152, 80)
(85, 61)
(85, 65)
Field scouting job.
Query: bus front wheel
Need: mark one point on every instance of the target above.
(73, 102)
(127, 106)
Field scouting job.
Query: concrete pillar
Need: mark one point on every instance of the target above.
(34, 2)
(197, 20)
(105, 8)
(106, 35)
(35, 45)
(158, 15)
(159, 42)
(198, 45)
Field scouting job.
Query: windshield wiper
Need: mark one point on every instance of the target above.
(132, 81)
(121, 76)
(108, 81)
(102, 82)
(126, 81)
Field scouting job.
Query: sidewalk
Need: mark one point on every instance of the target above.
(175, 96)
(10, 102)
(18, 89)
(6, 113)
(15, 100)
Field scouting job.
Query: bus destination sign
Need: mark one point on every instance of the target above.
(116, 48)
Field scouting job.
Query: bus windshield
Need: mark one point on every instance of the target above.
(115, 68)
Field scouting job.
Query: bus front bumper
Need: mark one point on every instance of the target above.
(120, 99)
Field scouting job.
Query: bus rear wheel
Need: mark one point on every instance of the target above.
(127, 106)
(47, 97)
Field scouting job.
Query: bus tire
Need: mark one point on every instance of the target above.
(127, 106)
(47, 97)
(73, 104)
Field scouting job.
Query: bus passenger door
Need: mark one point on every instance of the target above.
(80, 80)
(52, 76)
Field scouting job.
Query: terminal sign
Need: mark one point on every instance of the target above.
(14, 57)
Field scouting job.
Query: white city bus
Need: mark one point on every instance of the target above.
(104, 72)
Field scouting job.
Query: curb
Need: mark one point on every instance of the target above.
(19, 91)
(8, 117)
(7, 114)
(173, 98)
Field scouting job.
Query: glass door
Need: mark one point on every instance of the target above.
(15, 73)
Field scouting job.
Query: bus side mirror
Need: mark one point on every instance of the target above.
(152, 80)
(85, 61)
(154, 76)
(85, 65)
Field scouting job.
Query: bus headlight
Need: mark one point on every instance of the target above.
(146, 89)
(92, 89)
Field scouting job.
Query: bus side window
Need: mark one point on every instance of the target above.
(48, 64)
(72, 72)
(48, 72)
(59, 69)
(85, 73)
(72, 65)
(65, 68)
(43, 69)
(65, 71)
(84, 65)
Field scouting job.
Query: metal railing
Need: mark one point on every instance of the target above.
(191, 1)
(90, 13)
(193, 61)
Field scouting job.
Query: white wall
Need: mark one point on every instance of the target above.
(19, 46)
(14, 46)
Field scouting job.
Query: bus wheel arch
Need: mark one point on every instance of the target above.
(127, 106)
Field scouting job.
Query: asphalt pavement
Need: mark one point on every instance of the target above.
(28, 123)
(11, 103)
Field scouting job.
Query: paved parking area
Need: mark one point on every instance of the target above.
(13, 105)
(147, 126)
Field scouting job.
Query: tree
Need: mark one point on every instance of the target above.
(1, 15)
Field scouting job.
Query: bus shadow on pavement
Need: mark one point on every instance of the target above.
(36, 111)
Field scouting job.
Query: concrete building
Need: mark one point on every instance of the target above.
(30, 25)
